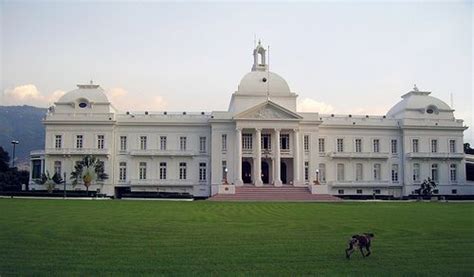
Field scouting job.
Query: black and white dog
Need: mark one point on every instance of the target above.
(361, 241)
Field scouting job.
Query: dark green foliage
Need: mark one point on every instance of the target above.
(156, 238)
(11, 179)
(468, 149)
(4, 160)
(92, 162)
(426, 188)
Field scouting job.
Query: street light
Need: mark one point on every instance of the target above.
(225, 179)
(14, 143)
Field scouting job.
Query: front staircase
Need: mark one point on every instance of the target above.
(271, 193)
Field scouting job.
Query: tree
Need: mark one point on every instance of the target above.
(50, 182)
(468, 149)
(426, 188)
(4, 160)
(88, 170)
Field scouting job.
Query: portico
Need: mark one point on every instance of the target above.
(260, 152)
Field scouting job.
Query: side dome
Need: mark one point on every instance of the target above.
(89, 93)
(418, 104)
(261, 82)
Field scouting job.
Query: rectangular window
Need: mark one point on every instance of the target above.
(202, 144)
(57, 168)
(359, 191)
(36, 169)
(452, 146)
(306, 143)
(123, 143)
(79, 141)
(377, 173)
(340, 191)
(340, 145)
(359, 172)
(247, 141)
(358, 145)
(415, 146)
(224, 142)
(394, 147)
(142, 171)
(434, 145)
(182, 143)
(285, 142)
(266, 141)
(434, 172)
(163, 140)
(182, 171)
(58, 141)
(100, 141)
(416, 172)
(376, 191)
(306, 171)
(122, 171)
(224, 171)
(340, 172)
(143, 140)
(162, 171)
(453, 172)
(202, 172)
(321, 145)
(376, 145)
(395, 173)
(322, 173)
(454, 191)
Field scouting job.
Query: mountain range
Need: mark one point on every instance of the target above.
(24, 124)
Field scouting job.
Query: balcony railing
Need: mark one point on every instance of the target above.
(157, 152)
(371, 183)
(161, 182)
(359, 155)
(436, 155)
(76, 151)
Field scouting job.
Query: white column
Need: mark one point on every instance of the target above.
(238, 139)
(258, 158)
(277, 159)
(296, 157)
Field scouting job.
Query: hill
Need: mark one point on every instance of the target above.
(22, 123)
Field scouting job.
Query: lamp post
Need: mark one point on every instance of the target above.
(64, 181)
(316, 182)
(225, 179)
(14, 143)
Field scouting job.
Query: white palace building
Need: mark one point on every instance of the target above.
(260, 141)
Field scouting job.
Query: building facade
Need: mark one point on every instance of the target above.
(261, 140)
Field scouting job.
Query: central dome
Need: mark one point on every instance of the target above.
(263, 82)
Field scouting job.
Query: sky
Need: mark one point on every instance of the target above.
(339, 57)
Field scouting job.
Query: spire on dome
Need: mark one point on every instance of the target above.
(259, 58)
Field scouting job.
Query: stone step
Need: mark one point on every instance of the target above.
(271, 193)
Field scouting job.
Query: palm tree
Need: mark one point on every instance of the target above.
(88, 170)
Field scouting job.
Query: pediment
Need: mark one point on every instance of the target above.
(268, 111)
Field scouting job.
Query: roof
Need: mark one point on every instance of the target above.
(263, 82)
(92, 93)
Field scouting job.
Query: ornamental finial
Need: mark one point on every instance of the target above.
(415, 88)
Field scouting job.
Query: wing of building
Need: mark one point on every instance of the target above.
(261, 140)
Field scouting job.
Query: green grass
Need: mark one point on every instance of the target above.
(43, 237)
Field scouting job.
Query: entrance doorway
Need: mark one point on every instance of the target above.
(265, 172)
(283, 174)
(246, 172)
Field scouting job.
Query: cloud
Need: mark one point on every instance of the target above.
(29, 95)
(123, 100)
(311, 105)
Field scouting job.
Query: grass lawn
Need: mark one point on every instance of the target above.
(41, 237)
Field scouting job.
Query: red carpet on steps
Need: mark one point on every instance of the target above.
(271, 193)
